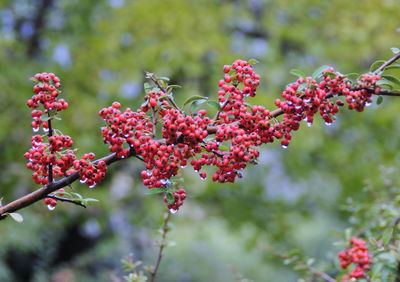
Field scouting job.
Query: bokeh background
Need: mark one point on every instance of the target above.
(291, 200)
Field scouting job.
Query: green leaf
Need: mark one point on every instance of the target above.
(331, 74)
(145, 103)
(395, 50)
(214, 104)
(172, 86)
(353, 76)
(197, 103)
(379, 100)
(16, 216)
(298, 73)
(194, 98)
(318, 72)
(392, 79)
(44, 118)
(384, 82)
(223, 148)
(147, 87)
(163, 78)
(376, 65)
(302, 87)
(253, 61)
(170, 198)
(391, 67)
(79, 196)
(387, 236)
(90, 200)
(52, 112)
(155, 191)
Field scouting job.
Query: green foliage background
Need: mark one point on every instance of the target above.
(290, 200)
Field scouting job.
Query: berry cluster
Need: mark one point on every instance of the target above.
(124, 128)
(357, 254)
(50, 202)
(46, 93)
(239, 128)
(89, 173)
(179, 198)
(42, 155)
(53, 157)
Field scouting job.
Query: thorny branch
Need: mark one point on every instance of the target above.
(42, 192)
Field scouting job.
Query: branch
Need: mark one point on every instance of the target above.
(165, 230)
(154, 79)
(42, 192)
(387, 63)
(66, 200)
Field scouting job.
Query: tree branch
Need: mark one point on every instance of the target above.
(42, 192)
(62, 199)
(165, 230)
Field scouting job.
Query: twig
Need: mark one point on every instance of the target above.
(62, 199)
(387, 63)
(165, 230)
(154, 121)
(49, 135)
(154, 79)
(311, 269)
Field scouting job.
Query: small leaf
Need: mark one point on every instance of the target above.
(352, 76)
(16, 216)
(154, 191)
(194, 98)
(298, 73)
(163, 78)
(90, 200)
(387, 236)
(197, 103)
(79, 196)
(214, 104)
(384, 82)
(253, 61)
(44, 118)
(170, 198)
(172, 86)
(57, 118)
(331, 74)
(391, 67)
(145, 103)
(223, 148)
(52, 112)
(147, 87)
(318, 72)
(392, 79)
(395, 50)
(379, 100)
(302, 87)
(376, 65)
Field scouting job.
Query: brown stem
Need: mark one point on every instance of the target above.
(49, 135)
(62, 199)
(154, 79)
(165, 230)
(387, 63)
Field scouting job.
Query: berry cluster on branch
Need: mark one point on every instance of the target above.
(357, 254)
(228, 141)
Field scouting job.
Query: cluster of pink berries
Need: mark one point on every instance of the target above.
(179, 198)
(357, 254)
